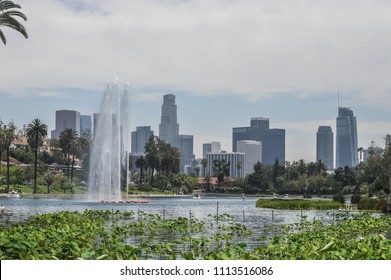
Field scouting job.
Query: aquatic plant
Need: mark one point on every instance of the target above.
(113, 235)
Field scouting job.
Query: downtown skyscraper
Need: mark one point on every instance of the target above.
(272, 139)
(346, 142)
(325, 146)
(169, 131)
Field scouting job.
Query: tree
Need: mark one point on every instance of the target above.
(67, 143)
(238, 168)
(49, 179)
(140, 163)
(2, 141)
(7, 18)
(204, 163)
(152, 155)
(36, 131)
(8, 137)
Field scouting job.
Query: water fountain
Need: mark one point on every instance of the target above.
(109, 155)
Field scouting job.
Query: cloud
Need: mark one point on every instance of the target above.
(261, 51)
(252, 48)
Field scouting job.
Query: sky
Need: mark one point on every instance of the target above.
(226, 61)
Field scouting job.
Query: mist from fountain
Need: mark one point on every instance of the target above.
(109, 153)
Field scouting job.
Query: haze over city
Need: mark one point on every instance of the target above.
(226, 62)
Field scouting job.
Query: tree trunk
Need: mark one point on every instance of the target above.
(73, 163)
(35, 164)
(8, 169)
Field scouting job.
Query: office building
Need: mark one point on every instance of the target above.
(230, 158)
(186, 150)
(66, 119)
(212, 147)
(273, 140)
(169, 127)
(139, 138)
(252, 151)
(346, 142)
(325, 146)
(169, 131)
(85, 124)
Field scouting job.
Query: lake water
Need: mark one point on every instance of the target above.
(243, 210)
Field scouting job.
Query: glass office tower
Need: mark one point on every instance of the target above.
(347, 143)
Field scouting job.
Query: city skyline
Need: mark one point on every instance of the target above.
(225, 61)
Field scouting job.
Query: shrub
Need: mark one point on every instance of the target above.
(368, 203)
(339, 198)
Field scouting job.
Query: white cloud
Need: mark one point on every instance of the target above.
(254, 48)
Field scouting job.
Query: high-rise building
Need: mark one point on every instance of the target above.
(140, 137)
(346, 144)
(186, 150)
(273, 140)
(252, 151)
(169, 127)
(212, 147)
(230, 158)
(85, 124)
(169, 131)
(66, 119)
(325, 146)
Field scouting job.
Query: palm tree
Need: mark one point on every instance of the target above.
(36, 131)
(204, 163)
(140, 163)
(2, 142)
(7, 18)
(238, 168)
(68, 139)
(9, 136)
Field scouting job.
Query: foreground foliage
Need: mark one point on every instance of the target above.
(129, 235)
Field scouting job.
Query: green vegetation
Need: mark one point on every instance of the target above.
(298, 204)
(369, 203)
(129, 235)
(7, 18)
(359, 238)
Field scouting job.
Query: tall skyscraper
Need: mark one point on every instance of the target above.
(252, 151)
(169, 131)
(169, 127)
(140, 137)
(66, 119)
(325, 146)
(347, 144)
(273, 140)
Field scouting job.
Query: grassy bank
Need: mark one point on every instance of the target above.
(298, 204)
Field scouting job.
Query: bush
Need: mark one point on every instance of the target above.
(378, 204)
(144, 188)
(339, 198)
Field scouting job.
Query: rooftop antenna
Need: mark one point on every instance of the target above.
(338, 99)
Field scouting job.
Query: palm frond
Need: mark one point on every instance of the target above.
(5, 5)
(7, 19)
(14, 24)
(3, 37)
(15, 13)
